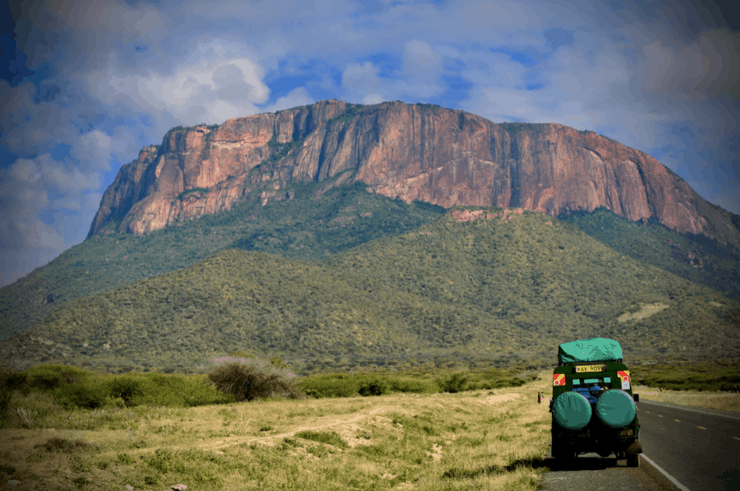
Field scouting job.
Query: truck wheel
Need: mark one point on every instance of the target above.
(562, 451)
(633, 461)
(572, 410)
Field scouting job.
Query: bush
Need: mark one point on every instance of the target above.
(65, 446)
(330, 385)
(87, 394)
(248, 378)
(37, 406)
(375, 386)
(456, 382)
(72, 387)
(51, 376)
(125, 387)
(10, 380)
(174, 390)
(412, 385)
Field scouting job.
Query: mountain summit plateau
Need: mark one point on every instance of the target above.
(408, 151)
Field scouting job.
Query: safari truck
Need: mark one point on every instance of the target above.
(592, 404)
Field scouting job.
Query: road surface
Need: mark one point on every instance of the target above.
(699, 448)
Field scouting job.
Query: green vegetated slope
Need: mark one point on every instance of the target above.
(694, 257)
(483, 290)
(315, 223)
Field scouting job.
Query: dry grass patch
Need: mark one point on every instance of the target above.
(723, 401)
(468, 440)
(645, 312)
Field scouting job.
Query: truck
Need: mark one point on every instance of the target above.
(592, 404)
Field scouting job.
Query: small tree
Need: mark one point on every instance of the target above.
(456, 382)
(247, 378)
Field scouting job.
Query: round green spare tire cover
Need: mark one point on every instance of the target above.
(615, 408)
(572, 410)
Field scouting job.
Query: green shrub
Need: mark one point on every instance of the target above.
(71, 387)
(68, 386)
(374, 386)
(175, 390)
(125, 387)
(412, 385)
(248, 378)
(329, 385)
(87, 394)
(712, 377)
(456, 382)
(10, 381)
(52, 376)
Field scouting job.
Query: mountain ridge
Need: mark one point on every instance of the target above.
(487, 284)
(408, 151)
(321, 219)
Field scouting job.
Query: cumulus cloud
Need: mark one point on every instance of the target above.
(93, 151)
(113, 75)
(296, 97)
(360, 79)
(209, 91)
(45, 207)
(420, 60)
(666, 95)
(417, 78)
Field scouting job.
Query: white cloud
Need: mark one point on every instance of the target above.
(296, 97)
(629, 74)
(206, 90)
(417, 79)
(360, 78)
(47, 207)
(372, 99)
(93, 151)
(419, 58)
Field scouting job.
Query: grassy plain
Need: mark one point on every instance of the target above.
(485, 439)
(707, 385)
(145, 435)
(723, 401)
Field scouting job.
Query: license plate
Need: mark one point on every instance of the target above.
(590, 368)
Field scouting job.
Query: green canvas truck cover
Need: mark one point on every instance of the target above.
(585, 350)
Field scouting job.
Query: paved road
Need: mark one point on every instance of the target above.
(593, 473)
(699, 447)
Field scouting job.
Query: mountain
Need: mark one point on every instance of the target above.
(412, 152)
(694, 257)
(493, 285)
(290, 196)
(319, 220)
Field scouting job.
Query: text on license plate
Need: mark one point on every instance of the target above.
(590, 368)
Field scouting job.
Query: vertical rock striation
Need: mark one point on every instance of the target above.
(413, 152)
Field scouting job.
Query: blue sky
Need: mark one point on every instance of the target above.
(85, 84)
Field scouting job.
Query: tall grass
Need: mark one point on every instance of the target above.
(36, 396)
(466, 440)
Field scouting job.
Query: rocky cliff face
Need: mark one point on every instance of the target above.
(414, 152)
